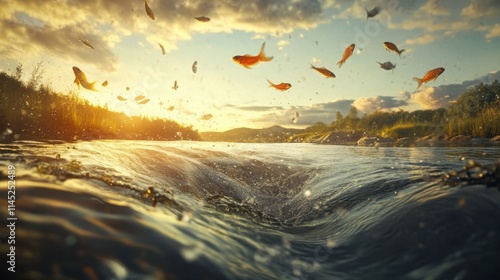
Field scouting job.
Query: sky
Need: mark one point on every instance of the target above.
(461, 36)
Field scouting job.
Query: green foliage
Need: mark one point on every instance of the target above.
(475, 113)
(39, 112)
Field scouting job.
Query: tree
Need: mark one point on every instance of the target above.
(36, 75)
(19, 72)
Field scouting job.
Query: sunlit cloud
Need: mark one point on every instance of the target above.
(494, 32)
(281, 44)
(60, 24)
(482, 9)
(378, 103)
(442, 96)
(423, 40)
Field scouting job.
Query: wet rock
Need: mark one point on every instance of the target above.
(371, 141)
(460, 138)
(405, 142)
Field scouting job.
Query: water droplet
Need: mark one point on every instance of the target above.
(307, 193)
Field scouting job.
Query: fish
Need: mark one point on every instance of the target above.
(347, 53)
(194, 67)
(250, 60)
(202, 19)
(171, 108)
(81, 79)
(121, 98)
(175, 86)
(162, 49)
(373, 12)
(86, 42)
(105, 83)
(149, 11)
(387, 65)
(139, 97)
(206, 117)
(281, 86)
(127, 88)
(429, 76)
(392, 48)
(143, 101)
(324, 71)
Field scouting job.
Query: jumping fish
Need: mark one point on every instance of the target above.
(250, 60)
(347, 53)
(144, 101)
(324, 71)
(149, 11)
(206, 117)
(392, 48)
(194, 67)
(373, 12)
(281, 86)
(202, 19)
(429, 76)
(162, 49)
(105, 83)
(81, 79)
(139, 97)
(387, 65)
(121, 98)
(175, 86)
(86, 42)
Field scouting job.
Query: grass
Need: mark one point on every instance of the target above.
(37, 112)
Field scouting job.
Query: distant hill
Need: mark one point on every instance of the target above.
(273, 134)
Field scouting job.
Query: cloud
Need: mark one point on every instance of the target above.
(264, 116)
(281, 44)
(378, 103)
(435, 19)
(28, 28)
(482, 9)
(423, 40)
(442, 96)
(494, 32)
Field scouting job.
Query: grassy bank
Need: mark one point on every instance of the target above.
(37, 112)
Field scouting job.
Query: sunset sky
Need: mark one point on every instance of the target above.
(461, 36)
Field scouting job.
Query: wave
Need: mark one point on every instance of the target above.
(190, 210)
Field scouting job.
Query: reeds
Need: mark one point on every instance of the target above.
(41, 113)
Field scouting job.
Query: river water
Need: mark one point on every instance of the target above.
(201, 210)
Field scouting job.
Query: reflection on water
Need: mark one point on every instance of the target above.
(199, 210)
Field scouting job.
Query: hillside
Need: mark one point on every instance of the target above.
(273, 134)
(32, 112)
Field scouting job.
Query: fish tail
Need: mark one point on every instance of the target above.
(91, 86)
(262, 55)
(270, 83)
(419, 81)
(400, 52)
(340, 63)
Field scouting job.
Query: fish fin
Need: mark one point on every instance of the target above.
(91, 86)
(270, 83)
(262, 56)
(77, 82)
(340, 63)
(419, 81)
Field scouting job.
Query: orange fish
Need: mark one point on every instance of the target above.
(281, 86)
(202, 19)
(347, 53)
(392, 48)
(81, 79)
(149, 11)
(250, 60)
(139, 97)
(430, 76)
(121, 98)
(105, 83)
(324, 71)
